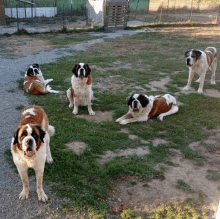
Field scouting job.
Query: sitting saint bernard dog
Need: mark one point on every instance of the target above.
(34, 82)
(30, 147)
(143, 107)
(199, 62)
(81, 94)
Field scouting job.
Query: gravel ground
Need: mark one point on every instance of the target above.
(11, 97)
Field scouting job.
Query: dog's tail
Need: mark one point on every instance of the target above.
(51, 130)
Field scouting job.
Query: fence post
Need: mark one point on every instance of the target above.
(25, 15)
(17, 18)
(63, 16)
(136, 8)
(190, 18)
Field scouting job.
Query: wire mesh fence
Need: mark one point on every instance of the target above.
(53, 15)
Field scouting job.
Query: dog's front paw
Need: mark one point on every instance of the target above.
(186, 88)
(42, 196)
(160, 118)
(118, 120)
(75, 112)
(23, 195)
(123, 122)
(70, 105)
(92, 113)
(200, 91)
(49, 159)
(212, 82)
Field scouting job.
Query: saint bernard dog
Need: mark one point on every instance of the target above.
(199, 62)
(30, 147)
(81, 94)
(143, 107)
(34, 82)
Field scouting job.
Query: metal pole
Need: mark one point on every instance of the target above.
(17, 18)
(136, 8)
(63, 16)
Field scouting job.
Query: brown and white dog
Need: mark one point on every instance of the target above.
(81, 94)
(199, 62)
(143, 107)
(34, 82)
(30, 147)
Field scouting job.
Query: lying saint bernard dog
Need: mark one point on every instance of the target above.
(143, 107)
(34, 82)
(199, 62)
(81, 94)
(30, 147)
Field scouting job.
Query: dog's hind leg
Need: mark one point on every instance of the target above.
(47, 142)
(47, 81)
(173, 110)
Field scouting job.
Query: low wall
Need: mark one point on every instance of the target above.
(37, 12)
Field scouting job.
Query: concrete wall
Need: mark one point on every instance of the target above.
(37, 12)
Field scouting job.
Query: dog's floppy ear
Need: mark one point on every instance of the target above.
(30, 72)
(187, 53)
(129, 99)
(87, 68)
(74, 70)
(197, 53)
(16, 135)
(42, 134)
(143, 100)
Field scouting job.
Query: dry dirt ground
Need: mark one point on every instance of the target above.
(203, 178)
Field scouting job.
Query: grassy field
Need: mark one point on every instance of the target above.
(150, 56)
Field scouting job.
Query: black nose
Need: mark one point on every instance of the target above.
(81, 72)
(135, 103)
(29, 142)
(188, 61)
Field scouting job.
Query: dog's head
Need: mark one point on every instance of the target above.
(28, 138)
(81, 70)
(34, 70)
(137, 101)
(192, 56)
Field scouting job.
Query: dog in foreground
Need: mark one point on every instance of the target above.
(81, 94)
(30, 147)
(199, 62)
(143, 107)
(34, 82)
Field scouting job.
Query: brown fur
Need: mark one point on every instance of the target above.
(210, 54)
(159, 106)
(89, 81)
(37, 86)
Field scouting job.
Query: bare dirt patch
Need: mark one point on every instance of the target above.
(99, 116)
(77, 146)
(25, 45)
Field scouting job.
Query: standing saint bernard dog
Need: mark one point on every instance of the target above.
(199, 62)
(34, 82)
(30, 147)
(81, 94)
(143, 107)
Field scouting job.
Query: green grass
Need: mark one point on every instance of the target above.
(79, 177)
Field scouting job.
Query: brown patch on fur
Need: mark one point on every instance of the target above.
(72, 93)
(39, 118)
(89, 81)
(159, 106)
(32, 85)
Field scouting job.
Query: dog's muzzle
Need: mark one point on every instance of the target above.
(188, 62)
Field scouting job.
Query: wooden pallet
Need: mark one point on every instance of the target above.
(116, 15)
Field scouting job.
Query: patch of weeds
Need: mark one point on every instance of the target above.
(11, 90)
(183, 186)
(22, 32)
(19, 107)
(133, 182)
(213, 175)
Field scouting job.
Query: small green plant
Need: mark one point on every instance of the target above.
(183, 186)
(133, 182)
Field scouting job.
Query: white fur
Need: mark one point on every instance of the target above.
(200, 67)
(30, 111)
(37, 162)
(142, 114)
